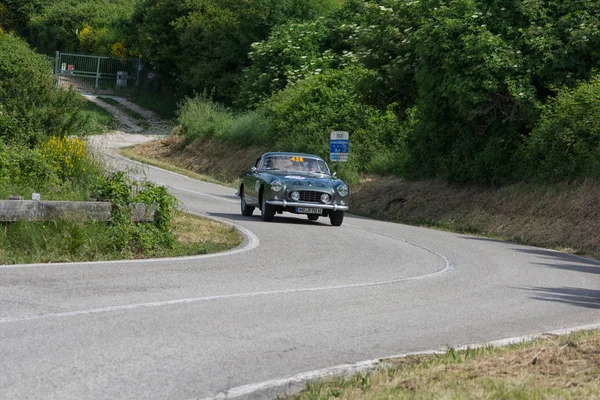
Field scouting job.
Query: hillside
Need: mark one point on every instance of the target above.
(559, 216)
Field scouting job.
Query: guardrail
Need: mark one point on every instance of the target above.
(43, 210)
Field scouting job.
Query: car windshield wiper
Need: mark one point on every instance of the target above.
(275, 169)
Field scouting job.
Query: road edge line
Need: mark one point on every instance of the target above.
(294, 384)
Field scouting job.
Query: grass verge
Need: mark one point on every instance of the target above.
(72, 241)
(164, 106)
(98, 120)
(139, 118)
(129, 152)
(558, 367)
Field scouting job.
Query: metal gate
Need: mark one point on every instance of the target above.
(97, 74)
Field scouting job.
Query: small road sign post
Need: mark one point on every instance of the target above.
(339, 145)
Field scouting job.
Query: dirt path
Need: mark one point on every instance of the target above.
(129, 131)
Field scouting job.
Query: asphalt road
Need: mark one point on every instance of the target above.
(296, 297)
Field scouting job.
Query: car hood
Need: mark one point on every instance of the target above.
(307, 180)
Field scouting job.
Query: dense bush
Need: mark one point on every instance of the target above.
(23, 171)
(203, 45)
(484, 68)
(292, 52)
(304, 115)
(31, 107)
(201, 118)
(124, 193)
(84, 26)
(566, 141)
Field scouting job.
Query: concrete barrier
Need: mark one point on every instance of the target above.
(30, 210)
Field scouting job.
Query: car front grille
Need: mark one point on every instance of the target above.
(307, 196)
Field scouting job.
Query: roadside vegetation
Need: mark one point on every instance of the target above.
(557, 367)
(43, 150)
(460, 96)
(467, 115)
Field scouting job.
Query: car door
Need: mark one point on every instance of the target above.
(251, 183)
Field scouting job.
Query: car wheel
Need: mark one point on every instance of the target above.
(267, 211)
(246, 209)
(336, 218)
(312, 217)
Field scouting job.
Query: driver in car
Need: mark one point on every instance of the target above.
(311, 166)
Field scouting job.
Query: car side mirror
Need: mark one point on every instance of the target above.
(253, 169)
(334, 175)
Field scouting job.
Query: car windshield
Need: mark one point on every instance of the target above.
(296, 164)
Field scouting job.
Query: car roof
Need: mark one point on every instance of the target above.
(290, 154)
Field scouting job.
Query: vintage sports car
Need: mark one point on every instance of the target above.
(296, 183)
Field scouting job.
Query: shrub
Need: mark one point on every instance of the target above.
(32, 107)
(123, 193)
(70, 156)
(99, 23)
(565, 144)
(292, 52)
(24, 170)
(304, 115)
(203, 45)
(202, 119)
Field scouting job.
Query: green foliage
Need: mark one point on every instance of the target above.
(203, 45)
(23, 171)
(86, 26)
(305, 114)
(53, 241)
(292, 52)
(484, 69)
(124, 193)
(31, 107)
(97, 119)
(15, 14)
(383, 39)
(201, 118)
(565, 144)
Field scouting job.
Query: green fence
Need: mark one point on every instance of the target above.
(97, 74)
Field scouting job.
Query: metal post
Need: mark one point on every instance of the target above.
(97, 74)
(56, 67)
(137, 76)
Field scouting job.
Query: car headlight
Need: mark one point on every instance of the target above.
(276, 186)
(325, 198)
(295, 196)
(342, 190)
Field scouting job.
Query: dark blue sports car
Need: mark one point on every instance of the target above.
(296, 183)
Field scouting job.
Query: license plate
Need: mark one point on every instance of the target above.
(306, 210)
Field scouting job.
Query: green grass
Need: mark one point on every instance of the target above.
(98, 120)
(71, 241)
(164, 106)
(133, 114)
(562, 367)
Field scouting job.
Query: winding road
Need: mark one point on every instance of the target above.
(296, 299)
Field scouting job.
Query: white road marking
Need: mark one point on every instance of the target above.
(369, 365)
(446, 269)
(204, 194)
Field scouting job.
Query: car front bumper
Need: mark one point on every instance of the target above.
(285, 204)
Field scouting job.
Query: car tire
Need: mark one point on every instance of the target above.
(246, 209)
(267, 211)
(312, 217)
(336, 218)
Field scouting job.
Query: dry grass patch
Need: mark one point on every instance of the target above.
(192, 229)
(564, 216)
(197, 235)
(560, 367)
(132, 154)
(219, 160)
